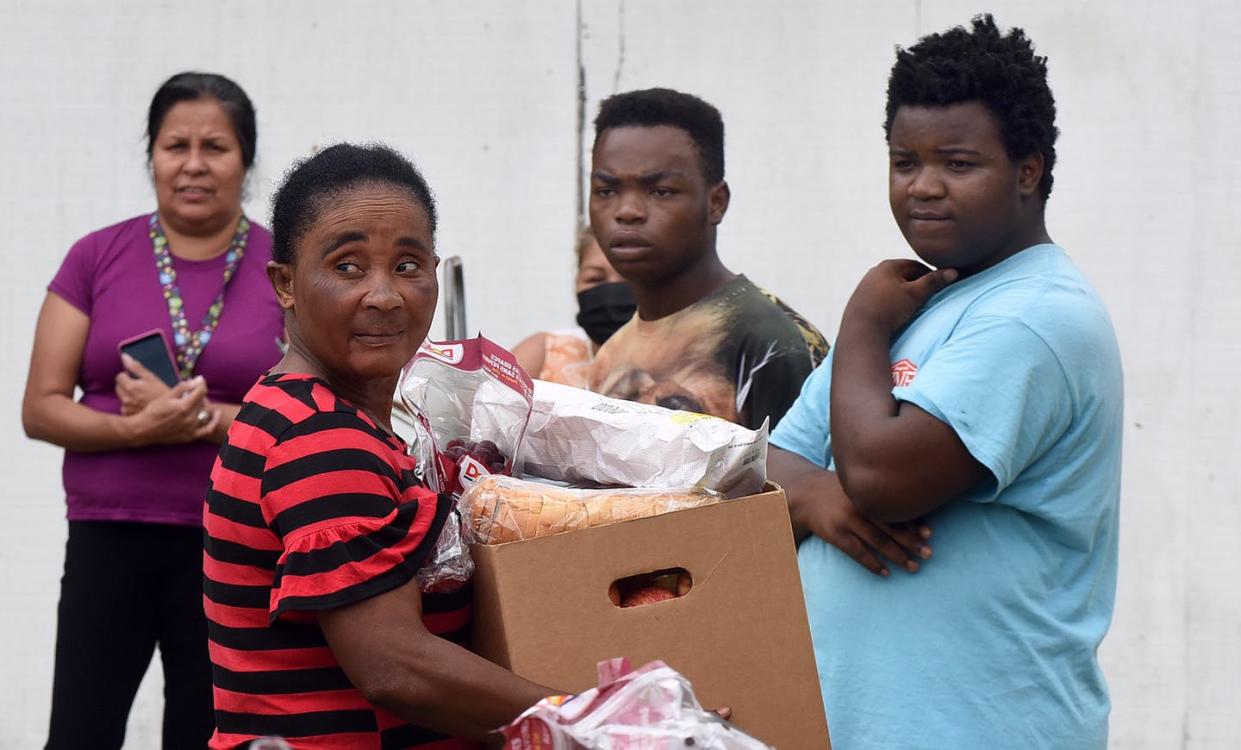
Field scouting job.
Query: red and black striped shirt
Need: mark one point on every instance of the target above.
(311, 507)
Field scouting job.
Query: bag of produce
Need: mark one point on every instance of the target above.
(581, 437)
(470, 401)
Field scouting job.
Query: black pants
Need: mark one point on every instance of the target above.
(127, 587)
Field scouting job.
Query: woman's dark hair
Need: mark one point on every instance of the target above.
(654, 107)
(999, 70)
(332, 171)
(192, 86)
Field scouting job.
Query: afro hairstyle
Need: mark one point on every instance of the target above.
(980, 64)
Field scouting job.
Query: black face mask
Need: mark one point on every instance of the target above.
(603, 309)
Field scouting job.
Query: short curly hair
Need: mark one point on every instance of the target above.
(999, 70)
(313, 182)
(660, 106)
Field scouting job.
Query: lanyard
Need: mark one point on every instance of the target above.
(189, 344)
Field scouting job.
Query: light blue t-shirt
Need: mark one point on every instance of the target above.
(992, 643)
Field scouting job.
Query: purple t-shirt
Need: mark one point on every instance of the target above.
(111, 276)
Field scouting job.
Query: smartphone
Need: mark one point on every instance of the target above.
(152, 352)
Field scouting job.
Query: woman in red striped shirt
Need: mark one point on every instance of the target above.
(316, 521)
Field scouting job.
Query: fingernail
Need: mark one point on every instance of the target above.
(925, 552)
(884, 572)
(950, 274)
(925, 533)
(911, 566)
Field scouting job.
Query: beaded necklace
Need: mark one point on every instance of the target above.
(189, 344)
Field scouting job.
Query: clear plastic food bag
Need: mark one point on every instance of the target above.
(505, 509)
(449, 566)
(470, 401)
(651, 708)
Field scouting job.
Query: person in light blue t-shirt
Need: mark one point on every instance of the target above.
(981, 400)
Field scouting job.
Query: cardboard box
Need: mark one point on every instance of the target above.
(740, 634)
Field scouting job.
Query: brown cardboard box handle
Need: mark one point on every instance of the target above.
(646, 588)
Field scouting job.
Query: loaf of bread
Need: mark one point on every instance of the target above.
(504, 509)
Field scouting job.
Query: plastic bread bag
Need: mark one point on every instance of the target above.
(651, 708)
(472, 402)
(503, 509)
(582, 437)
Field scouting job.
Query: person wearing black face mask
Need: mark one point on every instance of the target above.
(603, 309)
(605, 303)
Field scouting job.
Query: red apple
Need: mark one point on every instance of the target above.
(647, 595)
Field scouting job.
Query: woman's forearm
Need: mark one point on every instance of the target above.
(402, 667)
(58, 419)
(443, 686)
(48, 410)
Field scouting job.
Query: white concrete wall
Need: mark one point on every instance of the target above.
(484, 96)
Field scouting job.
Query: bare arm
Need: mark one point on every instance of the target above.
(818, 505)
(531, 352)
(896, 462)
(49, 412)
(403, 668)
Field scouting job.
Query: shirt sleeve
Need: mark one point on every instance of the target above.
(1001, 388)
(74, 282)
(804, 427)
(332, 491)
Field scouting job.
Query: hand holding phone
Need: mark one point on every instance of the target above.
(177, 415)
(146, 371)
(151, 350)
(169, 410)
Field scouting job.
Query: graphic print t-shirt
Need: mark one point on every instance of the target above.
(738, 353)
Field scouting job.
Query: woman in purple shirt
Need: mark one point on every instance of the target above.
(138, 454)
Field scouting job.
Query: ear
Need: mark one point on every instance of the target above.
(1030, 174)
(281, 277)
(717, 202)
